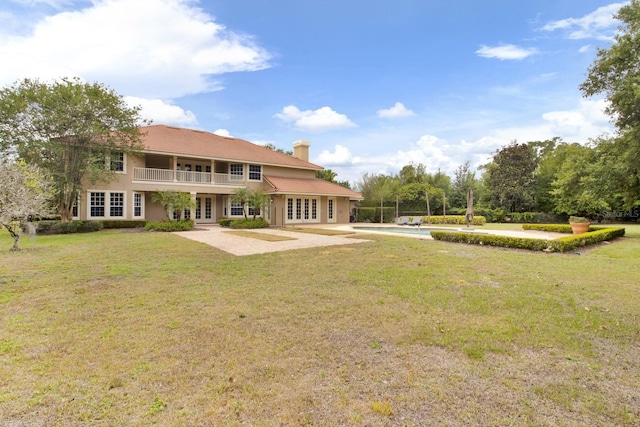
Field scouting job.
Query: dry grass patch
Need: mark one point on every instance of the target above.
(267, 237)
(320, 231)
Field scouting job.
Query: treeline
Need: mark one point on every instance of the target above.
(552, 178)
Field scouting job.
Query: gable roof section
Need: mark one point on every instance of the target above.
(309, 186)
(187, 142)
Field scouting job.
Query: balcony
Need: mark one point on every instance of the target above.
(187, 177)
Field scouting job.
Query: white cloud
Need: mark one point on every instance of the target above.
(340, 156)
(505, 52)
(584, 121)
(320, 120)
(146, 48)
(398, 110)
(588, 120)
(222, 132)
(599, 24)
(161, 112)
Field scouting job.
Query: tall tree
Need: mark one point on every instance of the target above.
(510, 177)
(25, 193)
(74, 131)
(330, 176)
(615, 73)
(412, 173)
(550, 154)
(463, 180)
(272, 146)
(580, 187)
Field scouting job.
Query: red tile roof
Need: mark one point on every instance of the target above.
(310, 186)
(188, 142)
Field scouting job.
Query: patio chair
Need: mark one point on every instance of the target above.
(403, 220)
(417, 220)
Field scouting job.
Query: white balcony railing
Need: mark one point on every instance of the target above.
(167, 175)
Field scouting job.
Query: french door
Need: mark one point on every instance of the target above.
(303, 209)
(204, 209)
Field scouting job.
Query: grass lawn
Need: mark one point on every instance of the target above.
(117, 328)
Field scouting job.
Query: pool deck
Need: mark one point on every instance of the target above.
(532, 234)
(223, 238)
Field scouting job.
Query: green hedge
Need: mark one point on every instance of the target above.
(179, 225)
(58, 227)
(552, 228)
(124, 223)
(595, 235)
(454, 219)
(535, 217)
(249, 223)
(563, 244)
(561, 228)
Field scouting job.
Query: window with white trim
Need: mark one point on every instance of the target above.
(106, 204)
(75, 211)
(116, 161)
(236, 209)
(96, 204)
(289, 208)
(116, 205)
(137, 205)
(255, 172)
(236, 170)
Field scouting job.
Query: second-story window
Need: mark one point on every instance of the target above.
(255, 172)
(236, 170)
(116, 160)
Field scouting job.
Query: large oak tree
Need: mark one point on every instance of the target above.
(70, 129)
(511, 178)
(616, 74)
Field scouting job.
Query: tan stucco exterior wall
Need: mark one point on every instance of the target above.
(276, 215)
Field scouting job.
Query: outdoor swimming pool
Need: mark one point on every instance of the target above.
(405, 230)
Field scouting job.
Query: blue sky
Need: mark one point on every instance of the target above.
(373, 85)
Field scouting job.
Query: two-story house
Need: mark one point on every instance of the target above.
(210, 168)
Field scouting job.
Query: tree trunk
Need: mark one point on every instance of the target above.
(16, 239)
(65, 214)
(15, 235)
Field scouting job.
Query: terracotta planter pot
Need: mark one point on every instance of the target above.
(580, 227)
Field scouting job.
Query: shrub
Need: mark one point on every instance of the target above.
(58, 227)
(168, 226)
(491, 240)
(552, 228)
(123, 224)
(225, 222)
(563, 244)
(535, 217)
(454, 219)
(249, 223)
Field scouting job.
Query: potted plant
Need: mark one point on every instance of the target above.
(579, 224)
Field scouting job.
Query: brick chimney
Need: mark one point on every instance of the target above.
(301, 150)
